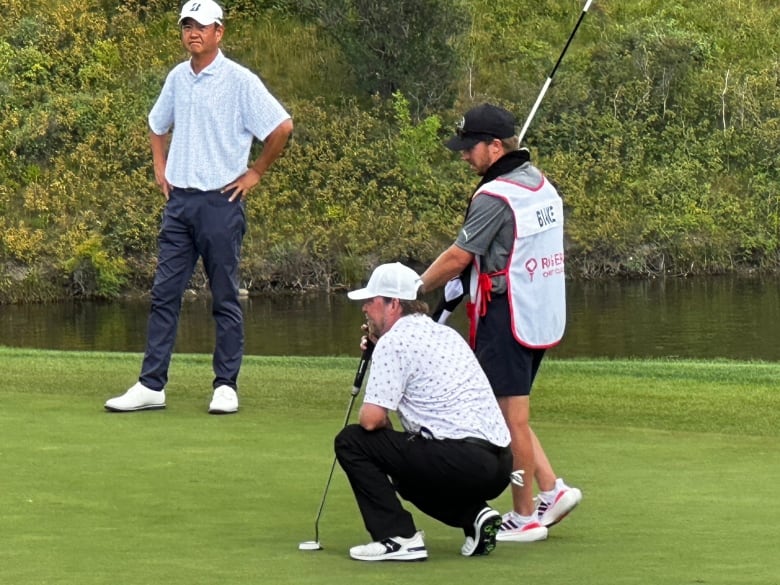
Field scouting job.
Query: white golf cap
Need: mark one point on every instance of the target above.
(394, 281)
(206, 12)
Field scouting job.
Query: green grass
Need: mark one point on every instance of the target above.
(678, 462)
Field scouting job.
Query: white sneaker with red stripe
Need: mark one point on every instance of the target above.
(513, 529)
(554, 509)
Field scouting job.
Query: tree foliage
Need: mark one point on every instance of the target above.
(661, 131)
(348, 193)
(406, 45)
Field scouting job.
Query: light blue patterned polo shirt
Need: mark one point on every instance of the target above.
(215, 116)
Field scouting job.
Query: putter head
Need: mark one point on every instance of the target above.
(310, 545)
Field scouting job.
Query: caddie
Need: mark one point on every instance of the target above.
(512, 238)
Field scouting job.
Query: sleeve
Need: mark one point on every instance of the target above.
(385, 386)
(262, 112)
(483, 222)
(161, 114)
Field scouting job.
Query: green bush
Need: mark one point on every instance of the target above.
(92, 272)
(661, 132)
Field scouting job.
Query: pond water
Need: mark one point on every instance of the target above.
(713, 317)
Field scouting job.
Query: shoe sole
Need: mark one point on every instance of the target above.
(561, 508)
(487, 536)
(533, 535)
(222, 411)
(403, 557)
(151, 407)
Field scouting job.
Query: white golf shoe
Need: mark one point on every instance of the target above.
(396, 548)
(138, 397)
(555, 509)
(513, 530)
(224, 401)
(486, 526)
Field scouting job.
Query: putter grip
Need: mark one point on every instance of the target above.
(363, 365)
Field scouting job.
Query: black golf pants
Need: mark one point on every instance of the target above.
(449, 480)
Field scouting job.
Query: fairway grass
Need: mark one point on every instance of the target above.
(678, 462)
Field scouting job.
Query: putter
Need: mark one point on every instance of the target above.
(359, 374)
(552, 73)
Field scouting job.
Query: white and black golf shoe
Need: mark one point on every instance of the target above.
(396, 548)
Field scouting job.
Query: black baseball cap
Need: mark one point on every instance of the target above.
(480, 123)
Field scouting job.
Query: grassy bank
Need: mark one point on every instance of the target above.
(678, 462)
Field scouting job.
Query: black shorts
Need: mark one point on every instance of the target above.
(510, 366)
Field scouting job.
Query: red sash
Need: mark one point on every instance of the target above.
(478, 309)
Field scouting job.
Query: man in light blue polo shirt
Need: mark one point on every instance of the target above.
(215, 109)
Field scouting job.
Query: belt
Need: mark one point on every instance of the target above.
(495, 449)
(487, 445)
(189, 190)
(192, 190)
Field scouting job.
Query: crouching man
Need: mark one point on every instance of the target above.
(453, 452)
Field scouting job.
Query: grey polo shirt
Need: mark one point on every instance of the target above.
(489, 233)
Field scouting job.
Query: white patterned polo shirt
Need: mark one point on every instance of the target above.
(427, 373)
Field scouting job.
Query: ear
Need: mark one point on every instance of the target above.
(494, 150)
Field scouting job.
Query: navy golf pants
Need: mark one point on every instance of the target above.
(449, 480)
(197, 224)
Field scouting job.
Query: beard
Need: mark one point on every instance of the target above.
(374, 329)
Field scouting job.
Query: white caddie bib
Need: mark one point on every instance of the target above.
(535, 276)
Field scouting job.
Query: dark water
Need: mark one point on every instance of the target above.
(689, 318)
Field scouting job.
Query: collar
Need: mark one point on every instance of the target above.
(509, 162)
(212, 67)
